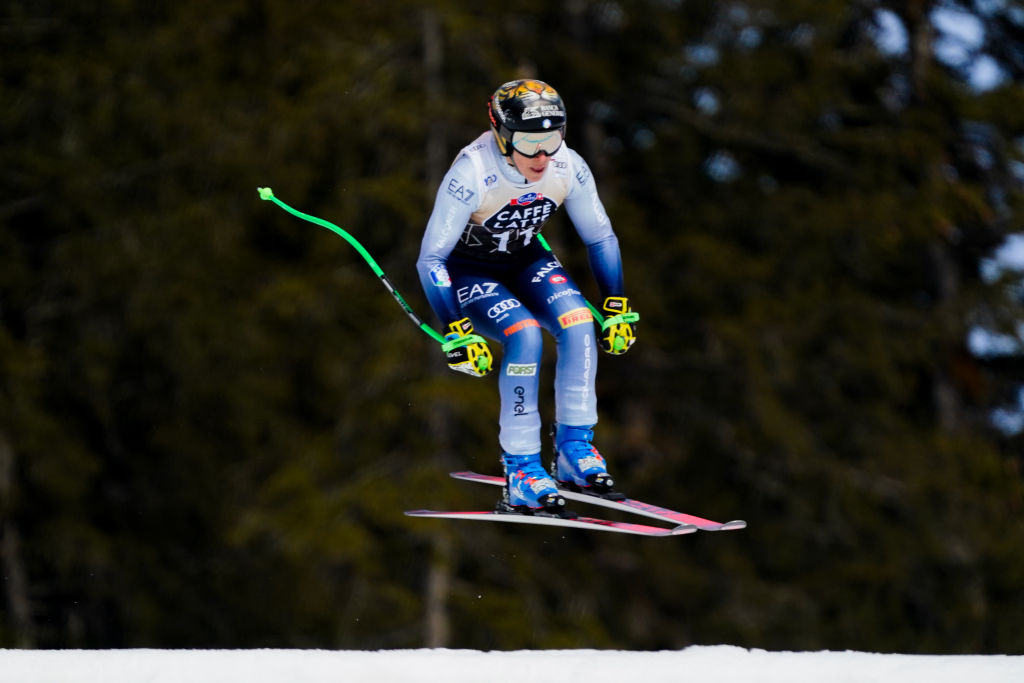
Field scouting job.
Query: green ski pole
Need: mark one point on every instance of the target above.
(267, 194)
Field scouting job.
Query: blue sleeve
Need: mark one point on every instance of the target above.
(595, 229)
(457, 198)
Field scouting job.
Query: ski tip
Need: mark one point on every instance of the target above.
(684, 529)
(734, 525)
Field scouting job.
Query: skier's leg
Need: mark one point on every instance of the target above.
(563, 311)
(498, 314)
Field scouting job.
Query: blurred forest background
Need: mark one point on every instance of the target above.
(212, 415)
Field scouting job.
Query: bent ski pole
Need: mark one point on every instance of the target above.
(267, 194)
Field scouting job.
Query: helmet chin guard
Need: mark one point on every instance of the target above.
(525, 105)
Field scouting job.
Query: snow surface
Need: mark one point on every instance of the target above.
(703, 664)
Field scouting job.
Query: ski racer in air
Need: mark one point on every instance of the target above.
(486, 272)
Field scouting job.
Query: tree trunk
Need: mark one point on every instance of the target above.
(437, 628)
(16, 582)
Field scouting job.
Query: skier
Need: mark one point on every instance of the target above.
(484, 268)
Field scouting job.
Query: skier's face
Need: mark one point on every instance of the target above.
(532, 168)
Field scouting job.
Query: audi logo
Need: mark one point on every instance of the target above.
(502, 307)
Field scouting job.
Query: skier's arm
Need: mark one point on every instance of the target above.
(456, 199)
(595, 229)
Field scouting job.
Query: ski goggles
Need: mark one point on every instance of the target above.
(532, 143)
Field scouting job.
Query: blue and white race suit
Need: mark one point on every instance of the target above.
(480, 258)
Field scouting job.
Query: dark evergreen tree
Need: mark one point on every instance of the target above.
(212, 415)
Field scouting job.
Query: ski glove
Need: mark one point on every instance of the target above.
(467, 352)
(618, 331)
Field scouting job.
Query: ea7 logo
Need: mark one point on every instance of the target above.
(459, 191)
(583, 175)
(480, 290)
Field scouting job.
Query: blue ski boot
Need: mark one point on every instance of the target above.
(528, 488)
(578, 465)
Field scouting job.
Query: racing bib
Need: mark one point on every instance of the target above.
(511, 216)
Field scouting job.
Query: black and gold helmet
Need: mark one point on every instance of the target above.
(528, 116)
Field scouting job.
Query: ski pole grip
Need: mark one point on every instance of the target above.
(630, 318)
(459, 342)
